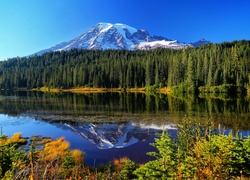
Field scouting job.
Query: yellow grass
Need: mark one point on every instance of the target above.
(79, 89)
(54, 149)
(46, 89)
(86, 89)
(15, 139)
(165, 90)
(119, 163)
(91, 89)
(136, 89)
(78, 156)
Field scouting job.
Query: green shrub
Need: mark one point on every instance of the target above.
(198, 153)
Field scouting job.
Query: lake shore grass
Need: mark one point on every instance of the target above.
(165, 90)
(90, 90)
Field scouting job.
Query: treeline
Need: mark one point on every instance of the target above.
(185, 70)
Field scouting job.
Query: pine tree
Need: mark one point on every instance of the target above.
(191, 81)
(164, 167)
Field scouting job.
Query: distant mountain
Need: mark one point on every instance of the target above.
(200, 42)
(118, 36)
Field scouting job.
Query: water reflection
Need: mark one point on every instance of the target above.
(115, 135)
(126, 107)
(101, 142)
(112, 125)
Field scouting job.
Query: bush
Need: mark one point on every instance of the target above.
(198, 153)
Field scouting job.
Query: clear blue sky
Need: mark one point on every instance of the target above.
(28, 26)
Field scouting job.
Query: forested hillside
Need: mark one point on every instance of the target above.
(207, 67)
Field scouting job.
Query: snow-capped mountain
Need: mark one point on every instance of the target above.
(117, 36)
(115, 135)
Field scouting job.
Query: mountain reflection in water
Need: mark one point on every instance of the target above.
(101, 142)
(115, 135)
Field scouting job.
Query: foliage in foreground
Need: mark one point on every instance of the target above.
(198, 152)
(54, 161)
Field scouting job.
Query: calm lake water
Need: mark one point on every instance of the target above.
(113, 125)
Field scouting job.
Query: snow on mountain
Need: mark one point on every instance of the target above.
(118, 36)
(158, 44)
(115, 135)
(156, 127)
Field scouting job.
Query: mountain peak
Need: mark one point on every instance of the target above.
(118, 26)
(106, 35)
(202, 41)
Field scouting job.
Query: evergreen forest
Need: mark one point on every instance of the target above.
(216, 68)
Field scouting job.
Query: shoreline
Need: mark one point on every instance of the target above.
(85, 90)
(99, 90)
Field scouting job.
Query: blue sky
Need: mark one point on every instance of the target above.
(28, 26)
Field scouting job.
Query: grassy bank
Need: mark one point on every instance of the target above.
(90, 90)
(223, 90)
(165, 90)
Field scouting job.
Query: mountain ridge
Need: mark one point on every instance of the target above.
(119, 36)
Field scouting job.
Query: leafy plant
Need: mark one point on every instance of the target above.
(199, 152)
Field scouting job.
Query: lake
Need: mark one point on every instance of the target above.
(113, 125)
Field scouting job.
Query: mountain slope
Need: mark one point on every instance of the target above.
(116, 36)
(200, 42)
